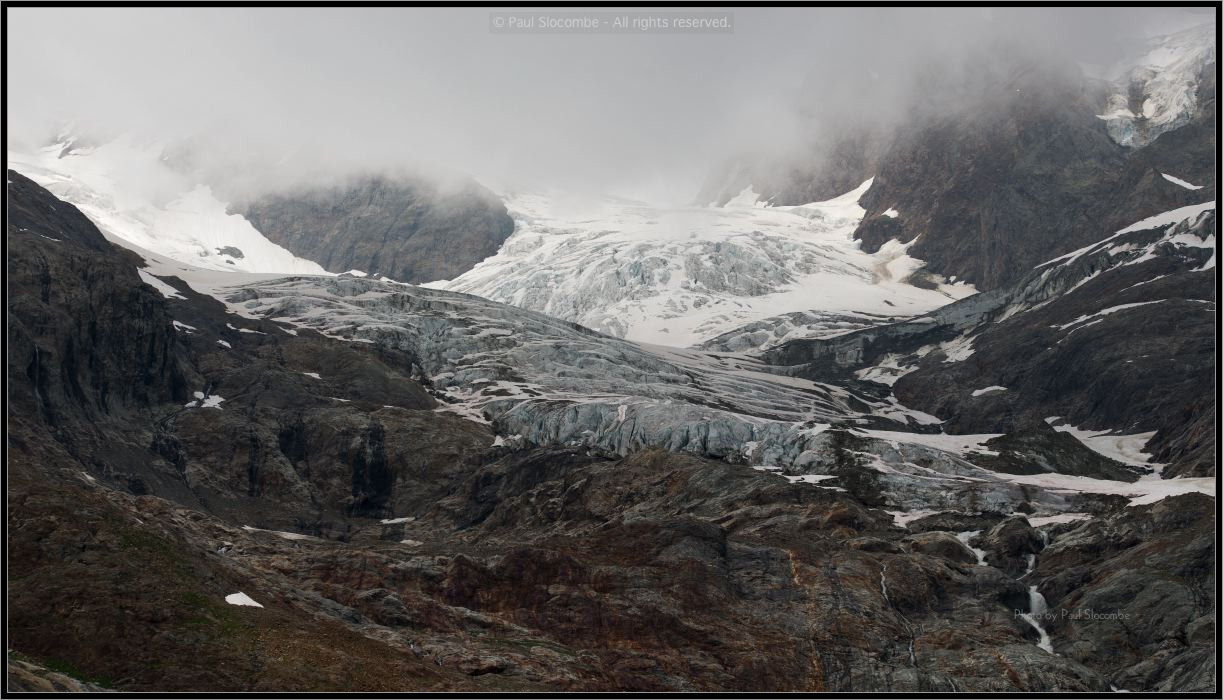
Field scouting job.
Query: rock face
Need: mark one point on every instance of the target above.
(179, 397)
(1011, 546)
(409, 229)
(90, 338)
(1133, 594)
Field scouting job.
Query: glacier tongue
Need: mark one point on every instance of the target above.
(680, 277)
(545, 381)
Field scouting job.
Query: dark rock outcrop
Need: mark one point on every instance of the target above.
(1133, 594)
(306, 428)
(1041, 449)
(1010, 545)
(941, 544)
(955, 522)
(409, 229)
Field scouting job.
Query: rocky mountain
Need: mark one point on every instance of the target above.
(822, 169)
(311, 482)
(1006, 159)
(988, 194)
(145, 193)
(924, 405)
(410, 229)
(1117, 335)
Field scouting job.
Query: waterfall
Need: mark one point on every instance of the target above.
(1031, 565)
(883, 586)
(883, 583)
(1037, 606)
(1036, 609)
(965, 537)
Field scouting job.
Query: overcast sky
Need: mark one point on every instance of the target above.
(638, 114)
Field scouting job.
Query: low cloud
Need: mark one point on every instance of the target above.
(263, 95)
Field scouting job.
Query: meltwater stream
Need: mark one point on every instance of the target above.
(1037, 606)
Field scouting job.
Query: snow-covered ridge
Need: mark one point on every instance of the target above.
(1168, 220)
(681, 276)
(134, 197)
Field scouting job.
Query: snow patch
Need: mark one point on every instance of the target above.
(957, 350)
(241, 598)
(278, 533)
(1104, 312)
(746, 198)
(1182, 183)
(1161, 220)
(1060, 518)
(166, 290)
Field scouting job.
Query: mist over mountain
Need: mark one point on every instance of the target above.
(278, 97)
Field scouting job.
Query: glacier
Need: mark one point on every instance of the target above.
(1157, 92)
(683, 276)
